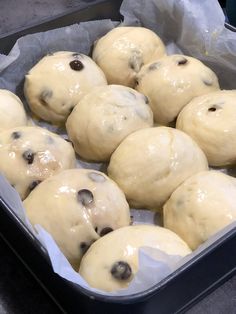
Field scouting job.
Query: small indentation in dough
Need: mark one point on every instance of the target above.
(136, 60)
(121, 270)
(96, 177)
(154, 66)
(85, 197)
(207, 81)
(44, 96)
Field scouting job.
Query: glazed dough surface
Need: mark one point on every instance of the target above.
(104, 117)
(76, 207)
(124, 50)
(58, 81)
(150, 163)
(201, 206)
(12, 112)
(99, 265)
(29, 155)
(173, 81)
(211, 121)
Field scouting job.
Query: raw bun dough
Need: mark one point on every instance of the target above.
(29, 155)
(58, 81)
(211, 121)
(112, 261)
(150, 163)
(201, 206)
(104, 117)
(173, 81)
(12, 112)
(76, 207)
(124, 50)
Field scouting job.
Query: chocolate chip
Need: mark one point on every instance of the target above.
(33, 184)
(85, 197)
(105, 231)
(15, 135)
(84, 247)
(136, 82)
(146, 99)
(76, 65)
(214, 108)
(96, 177)
(207, 82)
(182, 61)
(96, 229)
(121, 270)
(28, 155)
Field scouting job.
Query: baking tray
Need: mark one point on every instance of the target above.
(175, 294)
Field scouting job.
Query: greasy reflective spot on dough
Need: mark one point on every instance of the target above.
(183, 61)
(28, 155)
(85, 197)
(15, 135)
(76, 65)
(154, 66)
(44, 96)
(33, 184)
(121, 270)
(96, 177)
(105, 231)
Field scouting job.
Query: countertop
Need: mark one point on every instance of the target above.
(20, 293)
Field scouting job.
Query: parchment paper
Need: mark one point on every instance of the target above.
(193, 27)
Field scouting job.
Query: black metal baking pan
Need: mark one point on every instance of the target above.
(174, 294)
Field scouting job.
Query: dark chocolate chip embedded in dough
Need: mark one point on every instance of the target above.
(28, 155)
(84, 247)
(33, 184)
(121, 270)
(146, 99)
(183, 61)
(105, 231)
(76, 65)
(15, 135)
(85, 197)
(214, 108)
(96, 177)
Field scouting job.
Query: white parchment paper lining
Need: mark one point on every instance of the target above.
(191, 27)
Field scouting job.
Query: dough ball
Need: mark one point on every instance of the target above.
(150, 163)
(124, 50)
(172, 82)
(211, 121)
(12, 113)
(104, 117)
(201, 206)
(76, 207)
(109, 269)
(29, 155)
(58, 81)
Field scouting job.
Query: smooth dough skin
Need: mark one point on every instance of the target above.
(76, 207)
(150, 163)
(211, 121)
(12, 112)
(58, 81)
(29, 155)
(173, 81)
(104, 117)
(124, 50)
(201, 206)
(109, 269)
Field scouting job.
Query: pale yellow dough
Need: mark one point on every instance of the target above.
(104, 117)
(201, 206)
(12, 112)
(123, 245)
(29, 155)
(173, 81)
(52, 87)
(150, 164)
(124, 50)
(76, 207)
(211, 121)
